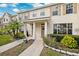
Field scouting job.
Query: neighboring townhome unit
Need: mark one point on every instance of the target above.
(6, 18)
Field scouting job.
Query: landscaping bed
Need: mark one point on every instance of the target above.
(17, 50)
(49, 52)
(76, 50)
(63, 42)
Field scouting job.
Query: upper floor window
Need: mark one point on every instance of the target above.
(42, 13)
(55, 11)
(34, 15)
(69, 8)
(25, 17)
(4, 20)
(19, 18)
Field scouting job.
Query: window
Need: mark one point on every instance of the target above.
(6, 19)
(63, 28)
(19, 18)
(42, 13)
(26, 17)
(55, 11)
(34, 14)
(69, 8)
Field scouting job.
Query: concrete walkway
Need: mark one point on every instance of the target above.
(10, 45)
(35, 49)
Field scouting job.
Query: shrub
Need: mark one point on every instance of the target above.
(46, 41)
(57, 36)
(76, 38)
(4, 39)
(20, 35)
(69, 41)
(49, 41)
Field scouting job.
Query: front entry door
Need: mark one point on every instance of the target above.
(42, 30)
(38, 30)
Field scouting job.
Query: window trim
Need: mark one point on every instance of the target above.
(57, 27)
(55, 11)
(42, 13)
(69, 8)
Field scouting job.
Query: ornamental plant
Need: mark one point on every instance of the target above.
(49, 41)
(69, 41)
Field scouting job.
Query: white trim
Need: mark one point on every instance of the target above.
(45, 31)
(34, 30)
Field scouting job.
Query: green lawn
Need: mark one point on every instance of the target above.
(5, 39)
(49, 52)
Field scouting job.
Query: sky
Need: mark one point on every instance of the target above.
(13, 8)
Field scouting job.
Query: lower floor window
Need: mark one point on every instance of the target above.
(63, 28)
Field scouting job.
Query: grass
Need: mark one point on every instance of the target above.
(17, 50)
(5, 39)
(50, 52)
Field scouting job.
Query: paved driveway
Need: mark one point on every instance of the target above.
(35, 49)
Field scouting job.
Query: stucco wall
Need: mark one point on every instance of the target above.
(70, 18)
(46, 10)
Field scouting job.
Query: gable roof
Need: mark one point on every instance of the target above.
(5, 14)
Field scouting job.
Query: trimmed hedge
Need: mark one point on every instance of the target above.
(4, 39)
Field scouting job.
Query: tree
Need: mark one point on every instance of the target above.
(14, 27)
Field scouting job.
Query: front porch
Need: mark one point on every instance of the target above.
(36, 29)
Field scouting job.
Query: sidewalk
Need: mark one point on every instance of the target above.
(10, 45)
(34, 50)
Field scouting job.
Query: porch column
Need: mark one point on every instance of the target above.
(45, 33)
(25, 30)
(33, 30)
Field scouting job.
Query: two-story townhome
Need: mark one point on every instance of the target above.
(59, 18)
